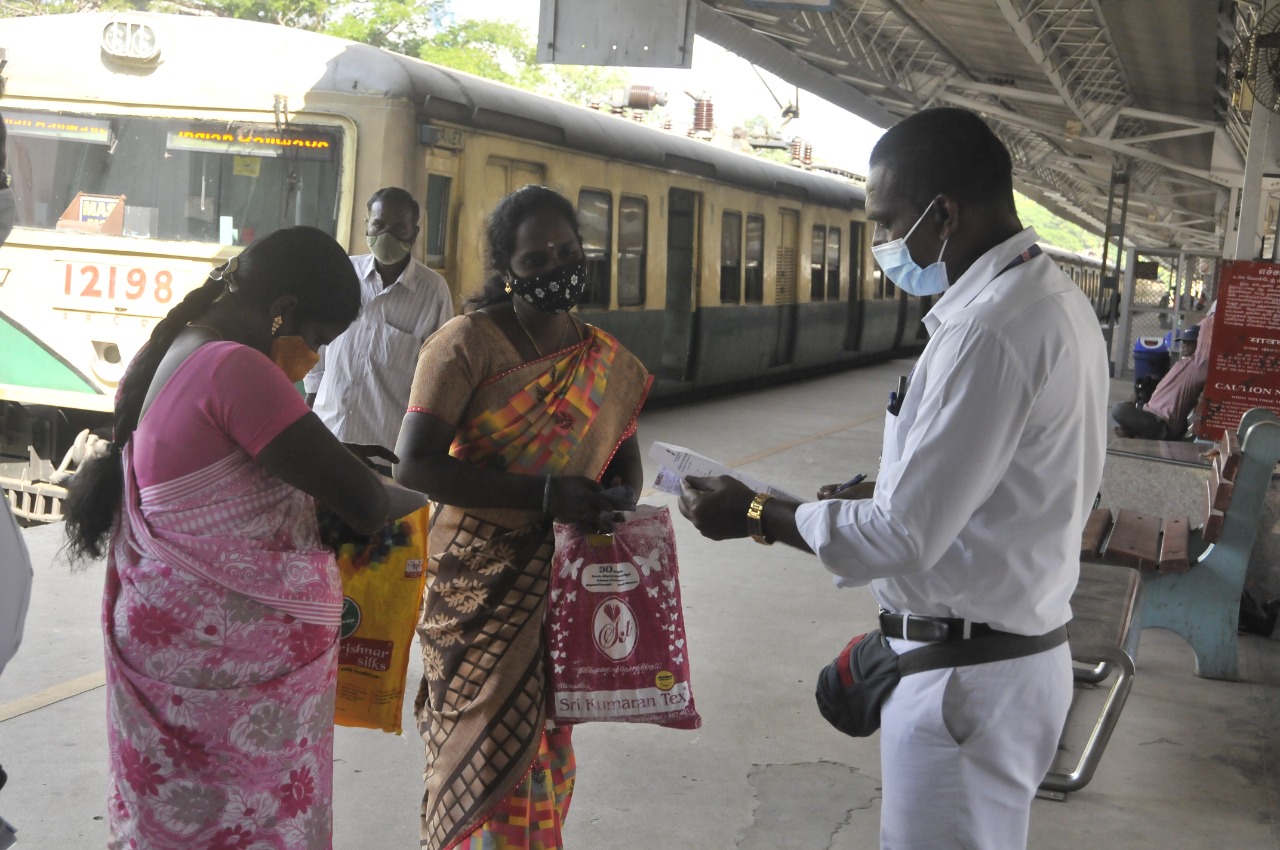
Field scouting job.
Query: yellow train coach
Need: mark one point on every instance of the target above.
(145, 148)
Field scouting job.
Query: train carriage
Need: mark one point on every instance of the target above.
(145, 148)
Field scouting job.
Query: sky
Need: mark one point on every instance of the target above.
(839, 138)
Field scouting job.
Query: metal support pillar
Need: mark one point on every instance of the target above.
(1244, 238)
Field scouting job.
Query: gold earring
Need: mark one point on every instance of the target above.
(507, 287)
(275, 324)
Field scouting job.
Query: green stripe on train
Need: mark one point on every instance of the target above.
(26, 363)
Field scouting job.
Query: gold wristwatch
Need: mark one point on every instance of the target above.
(754, 515)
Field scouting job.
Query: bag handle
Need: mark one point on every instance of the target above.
(979, 650)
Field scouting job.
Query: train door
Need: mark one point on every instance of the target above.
(677, 327)
(503, 176)
(785, 286)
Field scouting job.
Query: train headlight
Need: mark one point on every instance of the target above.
(130, 40)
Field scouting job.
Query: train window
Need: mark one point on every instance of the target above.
(187, 180)
(833, 264)
(437, 217)
(731, 258)
(817, 256)
(857, 233)
(753, 277)
(633, 231)
(595, 215)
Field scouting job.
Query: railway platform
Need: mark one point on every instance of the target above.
(1193, 763)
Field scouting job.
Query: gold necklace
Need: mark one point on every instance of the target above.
(213, 331)
(537, 350)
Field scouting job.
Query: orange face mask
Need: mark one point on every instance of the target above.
(293, 356)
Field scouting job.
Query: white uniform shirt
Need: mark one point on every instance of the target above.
(990, 467)
(363, 378)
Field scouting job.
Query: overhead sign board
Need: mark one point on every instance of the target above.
(652, 34)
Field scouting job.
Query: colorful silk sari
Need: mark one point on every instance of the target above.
(220, 618)
(497, 778)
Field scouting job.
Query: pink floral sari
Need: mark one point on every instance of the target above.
(220, 618)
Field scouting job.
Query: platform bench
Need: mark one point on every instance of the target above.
(1193, 577)
(1103, 635)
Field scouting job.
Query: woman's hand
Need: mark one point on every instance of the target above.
(582, 501)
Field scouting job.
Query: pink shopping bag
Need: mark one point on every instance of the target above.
(615, 627)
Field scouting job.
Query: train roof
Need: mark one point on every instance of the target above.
(223, 76)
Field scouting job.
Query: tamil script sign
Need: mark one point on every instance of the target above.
(1244, 359)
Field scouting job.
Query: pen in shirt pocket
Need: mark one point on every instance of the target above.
(896, 397)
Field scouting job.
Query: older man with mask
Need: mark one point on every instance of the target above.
(360, 387)
(990, 462)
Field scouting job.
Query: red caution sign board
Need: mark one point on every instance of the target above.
(1244, 358)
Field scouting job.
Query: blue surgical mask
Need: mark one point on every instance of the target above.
(895, 261)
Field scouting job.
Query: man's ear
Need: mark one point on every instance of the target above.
(950, 216)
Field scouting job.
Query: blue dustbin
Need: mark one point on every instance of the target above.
(1150, 363)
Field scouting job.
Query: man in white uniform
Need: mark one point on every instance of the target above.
(360, 387)
(991, 460)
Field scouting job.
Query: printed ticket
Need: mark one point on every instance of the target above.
(675, 462)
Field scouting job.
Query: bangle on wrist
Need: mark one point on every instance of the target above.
(755, 517)
(546, 496)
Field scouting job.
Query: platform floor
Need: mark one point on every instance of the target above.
(1194, 764)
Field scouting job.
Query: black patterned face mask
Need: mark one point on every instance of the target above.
(555, 291)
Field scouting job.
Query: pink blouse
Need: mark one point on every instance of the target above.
(224, 398)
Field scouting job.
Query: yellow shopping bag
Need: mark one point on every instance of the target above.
(382, 583)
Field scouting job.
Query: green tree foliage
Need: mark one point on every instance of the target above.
(400, 25)
(495, 50)
(24, 8)
(404, 27)
(1056, 231)
(582, 84)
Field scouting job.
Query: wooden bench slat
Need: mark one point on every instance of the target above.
(1229, 454)
(1135, 540)
(1174, 534)
(1095, 531)
(1220, 486)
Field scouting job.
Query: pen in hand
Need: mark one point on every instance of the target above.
(857, 479)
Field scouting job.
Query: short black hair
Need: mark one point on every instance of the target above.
(946, 151)
(394, 195)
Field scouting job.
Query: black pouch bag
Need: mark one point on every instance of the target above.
(852, 688)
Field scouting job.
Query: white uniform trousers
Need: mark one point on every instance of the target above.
(963, 749)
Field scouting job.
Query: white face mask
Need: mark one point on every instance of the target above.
(895, 261)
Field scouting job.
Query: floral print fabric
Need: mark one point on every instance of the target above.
(220, 706)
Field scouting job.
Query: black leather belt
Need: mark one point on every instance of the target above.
(915, 627)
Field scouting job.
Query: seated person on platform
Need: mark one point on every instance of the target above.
(1164, 417)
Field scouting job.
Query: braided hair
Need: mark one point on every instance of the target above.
(302, 262)
(500, 237)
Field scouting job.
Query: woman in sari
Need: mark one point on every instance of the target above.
(518, 412)
(221, 607)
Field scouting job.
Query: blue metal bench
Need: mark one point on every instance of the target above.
(1192, 579)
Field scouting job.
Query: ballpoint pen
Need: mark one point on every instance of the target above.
(857, 479)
